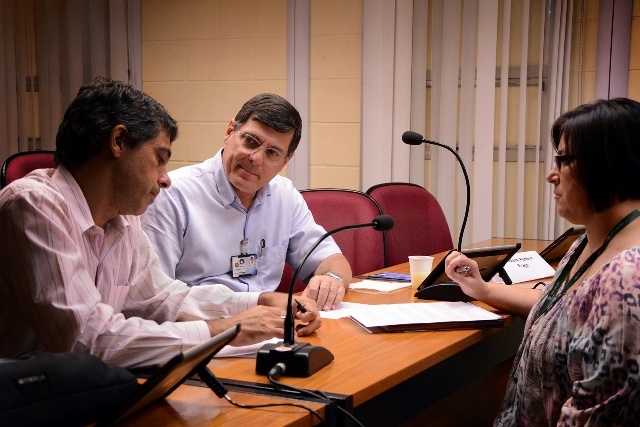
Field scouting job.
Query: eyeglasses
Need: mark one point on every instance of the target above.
(253, 144)
(563, 159)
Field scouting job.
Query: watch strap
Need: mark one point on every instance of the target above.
(335, 276)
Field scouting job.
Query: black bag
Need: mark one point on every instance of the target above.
(42, 388)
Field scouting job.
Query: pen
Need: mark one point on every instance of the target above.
(463, 270)
(300, 307)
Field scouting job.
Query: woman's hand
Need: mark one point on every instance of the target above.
(465, 272)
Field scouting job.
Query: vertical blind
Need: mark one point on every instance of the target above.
(48, 49)
(496, 77)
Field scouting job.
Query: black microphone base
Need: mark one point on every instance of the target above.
(302, 360)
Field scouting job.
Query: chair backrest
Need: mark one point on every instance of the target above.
(332, 208)
(420, 225)
(20, 164)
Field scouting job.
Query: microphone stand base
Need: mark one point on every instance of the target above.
(301, 359)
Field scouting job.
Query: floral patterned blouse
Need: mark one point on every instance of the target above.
(578, 364)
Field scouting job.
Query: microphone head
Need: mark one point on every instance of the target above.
(412, 138)
(383, 223)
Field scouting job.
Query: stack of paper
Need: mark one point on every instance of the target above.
(423, 316)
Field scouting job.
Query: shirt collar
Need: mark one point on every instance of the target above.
(76, 201)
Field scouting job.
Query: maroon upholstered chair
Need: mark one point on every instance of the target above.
(332, 208)
(285, 281)
(20, 164)
(420, 225)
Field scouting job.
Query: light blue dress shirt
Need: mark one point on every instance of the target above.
(197, 224)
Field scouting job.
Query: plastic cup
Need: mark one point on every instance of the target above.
(420, 267)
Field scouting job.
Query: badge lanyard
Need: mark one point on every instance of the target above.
(244, 264)
(558, 290)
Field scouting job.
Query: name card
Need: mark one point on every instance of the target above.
(525, 266)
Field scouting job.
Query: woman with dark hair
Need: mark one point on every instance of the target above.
(578, 363)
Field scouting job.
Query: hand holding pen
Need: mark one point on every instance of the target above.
(306, 315)
(300, 307)
(457, 264)
(463, 270)
(467, 273)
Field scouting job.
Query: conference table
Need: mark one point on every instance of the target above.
(439, 378)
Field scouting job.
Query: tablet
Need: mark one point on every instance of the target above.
(172, 374)
(559, 247)
(491, 260)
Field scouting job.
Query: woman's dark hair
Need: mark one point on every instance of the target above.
(97, 109)
(604, 137)
(275, 112)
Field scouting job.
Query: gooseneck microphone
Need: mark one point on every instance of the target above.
(380, 223)
(414, 138)
(303, 359)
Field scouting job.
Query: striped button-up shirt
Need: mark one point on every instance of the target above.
(69, 285)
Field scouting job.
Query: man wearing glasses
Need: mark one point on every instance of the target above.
(233, 220)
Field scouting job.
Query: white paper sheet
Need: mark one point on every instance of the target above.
(343, 310)
(244, 351)
(379, 285)
(419, 313)
(526, 266)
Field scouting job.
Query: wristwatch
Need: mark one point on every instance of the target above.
(335, 276)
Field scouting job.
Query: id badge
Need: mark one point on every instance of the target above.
(244, 265)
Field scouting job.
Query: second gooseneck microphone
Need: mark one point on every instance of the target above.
(414, 138)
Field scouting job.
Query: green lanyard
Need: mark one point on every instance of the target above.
(556, 292)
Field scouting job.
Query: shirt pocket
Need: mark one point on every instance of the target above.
(272, 258)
